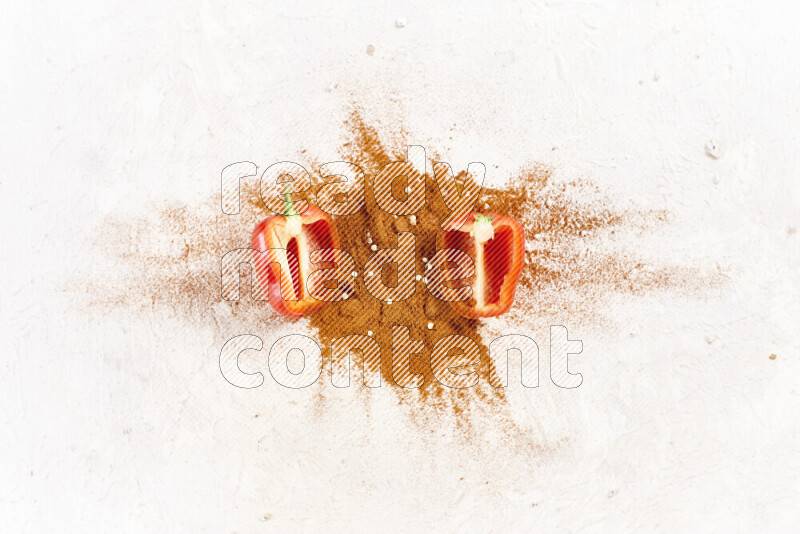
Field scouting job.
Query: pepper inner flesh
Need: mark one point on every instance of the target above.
(316, 235)
(492, 262)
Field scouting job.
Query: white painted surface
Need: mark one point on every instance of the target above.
(123, 422)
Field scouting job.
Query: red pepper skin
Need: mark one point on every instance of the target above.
(502, 261)
(318, 231)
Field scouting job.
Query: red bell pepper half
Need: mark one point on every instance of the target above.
(299, 234)
(496, 244)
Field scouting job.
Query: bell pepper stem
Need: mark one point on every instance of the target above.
(288, 205)
(294, 224)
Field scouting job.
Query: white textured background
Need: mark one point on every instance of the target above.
(122, 422)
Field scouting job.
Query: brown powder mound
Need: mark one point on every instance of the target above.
(362, 312)
(573, 265)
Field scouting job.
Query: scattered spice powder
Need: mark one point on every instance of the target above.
(428, 318)
(573, 265)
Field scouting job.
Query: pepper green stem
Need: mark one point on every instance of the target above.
(288, 206)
